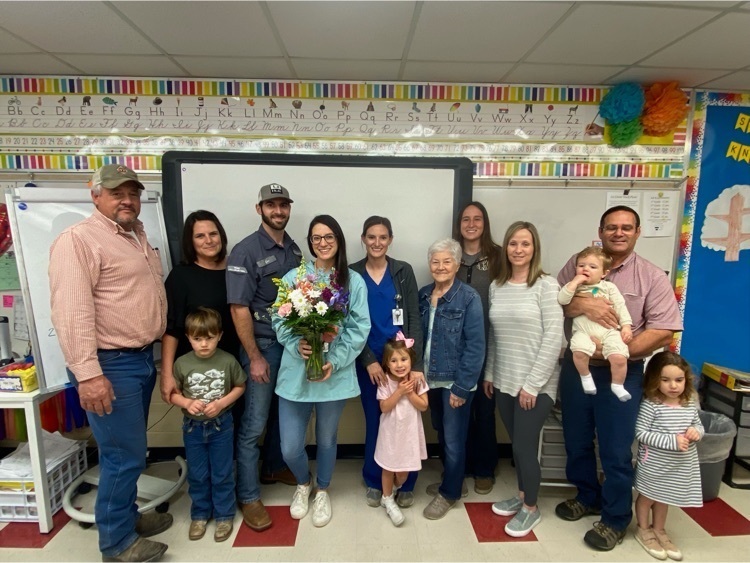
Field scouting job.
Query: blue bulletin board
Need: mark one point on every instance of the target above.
(717, 307)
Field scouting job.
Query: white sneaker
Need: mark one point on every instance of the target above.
(300, 501)
(392, 510)
(321, 509)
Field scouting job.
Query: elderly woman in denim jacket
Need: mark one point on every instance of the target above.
(453, 324)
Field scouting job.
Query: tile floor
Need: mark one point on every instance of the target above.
(360, 533)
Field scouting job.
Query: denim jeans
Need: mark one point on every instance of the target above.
(452, 426)
(371, 471)
(613, 421)
(208, 446)
(293, 420)
(261, 413)
(481, 443)
(121, 439)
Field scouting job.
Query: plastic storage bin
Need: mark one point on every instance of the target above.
(18, 501)
(713, 451)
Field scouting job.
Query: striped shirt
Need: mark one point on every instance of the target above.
(648, 294)
(526, 335)
(106, 292)
(663, 472)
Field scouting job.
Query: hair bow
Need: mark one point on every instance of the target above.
(408, 341)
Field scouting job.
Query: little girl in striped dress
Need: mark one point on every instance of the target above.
(667, 470)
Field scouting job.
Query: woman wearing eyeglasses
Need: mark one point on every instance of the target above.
(298, 397)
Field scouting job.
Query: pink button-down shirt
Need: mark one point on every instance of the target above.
(106, 292)
(648, 294)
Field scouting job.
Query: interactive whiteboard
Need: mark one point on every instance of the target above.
(419, 195)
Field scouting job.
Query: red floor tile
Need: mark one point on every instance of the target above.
(26, 534)
(719, 519)
(283, 532)
(488, 526)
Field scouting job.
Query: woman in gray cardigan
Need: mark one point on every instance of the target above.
(392, 300)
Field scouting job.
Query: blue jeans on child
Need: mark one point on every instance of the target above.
(209, 447)
(121, 439)
(294, 417)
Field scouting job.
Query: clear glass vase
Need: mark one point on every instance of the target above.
(314, 364)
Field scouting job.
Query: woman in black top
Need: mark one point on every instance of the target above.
(199, 281)
(480, 264)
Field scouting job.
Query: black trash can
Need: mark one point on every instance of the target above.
(713, 450)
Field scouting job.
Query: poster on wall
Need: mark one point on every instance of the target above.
(717, 305)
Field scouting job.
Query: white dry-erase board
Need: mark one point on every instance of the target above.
(37, 216)
(419, 195)
(567, 219)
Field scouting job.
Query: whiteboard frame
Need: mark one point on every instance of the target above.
(172, 181)
(71, 195)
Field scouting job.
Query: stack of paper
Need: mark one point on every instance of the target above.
(18, 464)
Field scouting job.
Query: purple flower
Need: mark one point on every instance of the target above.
(327, 296)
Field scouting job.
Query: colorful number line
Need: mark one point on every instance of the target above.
(75, 162)
(348, 90)
(577, 169)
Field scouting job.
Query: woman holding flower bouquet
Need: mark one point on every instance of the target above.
(392, 300)
(322, 300)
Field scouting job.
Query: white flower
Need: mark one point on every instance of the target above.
(321, 308)
(303, 308)
(313, 293)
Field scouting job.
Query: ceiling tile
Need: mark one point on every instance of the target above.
(492, 31)
(316, 69)
(724, 43)
(205, 28)
(736, 81)
(427, 71)
(240, 68)
(128, 65)
(366, 30)
(615, 34)
(11, 44)
(73, 27)
(527, 73)
(687, 77)
(34, 64)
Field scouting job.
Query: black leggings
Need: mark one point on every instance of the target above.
(524, 427)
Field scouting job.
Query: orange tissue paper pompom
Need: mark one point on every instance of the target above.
(665, 108)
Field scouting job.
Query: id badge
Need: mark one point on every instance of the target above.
(398, 317)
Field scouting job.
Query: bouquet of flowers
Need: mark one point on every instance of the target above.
(312, 306)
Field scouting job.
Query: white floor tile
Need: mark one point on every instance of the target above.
(360, 533)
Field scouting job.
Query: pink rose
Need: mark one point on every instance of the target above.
(285, 309)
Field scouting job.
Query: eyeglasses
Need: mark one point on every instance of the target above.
(611, 229)
(330, 238)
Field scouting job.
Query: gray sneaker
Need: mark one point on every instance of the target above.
(508, 507)
(434, 489)
(372, 496)
(523, 522)
(405, 499)
(438, 507)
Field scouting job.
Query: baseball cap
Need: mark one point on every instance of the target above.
(112, 176)
(273, 191)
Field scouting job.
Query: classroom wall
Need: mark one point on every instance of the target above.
(489, 123)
